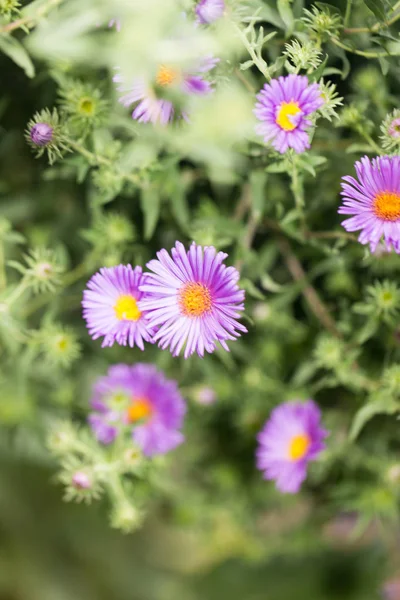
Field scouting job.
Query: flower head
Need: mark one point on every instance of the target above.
(194, 299)
(373, 200)
(291, 438)
(140, 398)
(110, 307)
(208, 11)
(157, 101)
(283, 108)
(41, 134)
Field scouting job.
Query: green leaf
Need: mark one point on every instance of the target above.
(317, 74)
(382, 405)
(150, 202)
(14, 50)
(251, 289)
(286, 14)
(258, 180)
(377, 7)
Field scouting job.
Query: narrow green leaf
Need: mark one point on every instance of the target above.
(14, 50)
(286, 14)
(150, 203)
(382, 405)
(258, 180)
(377, 7)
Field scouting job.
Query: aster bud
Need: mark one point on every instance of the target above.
(390, 129)
(81, 480)
(126, 517)
(41, 134)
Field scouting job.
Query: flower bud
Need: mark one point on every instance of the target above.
(41, 134)
(81, 481)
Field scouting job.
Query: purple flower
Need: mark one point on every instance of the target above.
(374, 201)
(289, 440)
(110, 307)
(194, 299)
(156, 101)
(41, 134)
(141, 398)
(208, 11)
(283, 107)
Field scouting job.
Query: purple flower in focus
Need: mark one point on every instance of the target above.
(283, 108)
(139, 397)
(194, 299)
(373, 200)
(289, 440)
(208, 11)
(41, 134)
(156, 101)
(110, 307)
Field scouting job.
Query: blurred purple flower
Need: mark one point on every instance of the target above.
(208, 11)
(139, 397)
(291, 438)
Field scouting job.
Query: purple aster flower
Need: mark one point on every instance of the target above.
(156, 101)
(289, 440)
(283, 106)
(208, 11)
(374, 201)
(141, 398)
(194, 299)
(41, 134)
(110, 307)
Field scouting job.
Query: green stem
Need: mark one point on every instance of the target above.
(17, 292)
(365, 53)
(32, 20)
(260, 64)
(371, 142)
(95, 159)
(347, 13)
(3, 277)
(298, 192)
(395, 17)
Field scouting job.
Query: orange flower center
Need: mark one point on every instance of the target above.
(387, 206)
(166, 76)
(139, 409)
(195, 299)
(126, 309)
(299, 446)
(287, 110)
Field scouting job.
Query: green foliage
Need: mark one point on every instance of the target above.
(321, 309)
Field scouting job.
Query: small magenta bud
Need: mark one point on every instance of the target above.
(81, 481)
(394, 128)
(41, 134)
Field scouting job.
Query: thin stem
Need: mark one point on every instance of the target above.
(247, 84)
(310, 294)
(94, 159)
(347, 13)
(3, 277)
(17, 292)
(365, 53)
(32, 20)
(298, 192)
(260, 63)
(395, 17)
(371, 142)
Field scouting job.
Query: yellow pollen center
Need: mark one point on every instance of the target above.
(285, 111)
(126, 309)
(195, 299)
(139, 409)
(299, 446)
(166, 76)
(387, 206)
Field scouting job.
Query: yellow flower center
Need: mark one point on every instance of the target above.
(299, 446)
(195, 299)
(139, 409)
(126, 309)
(166, 76)
(285, 111)
(387, 206)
